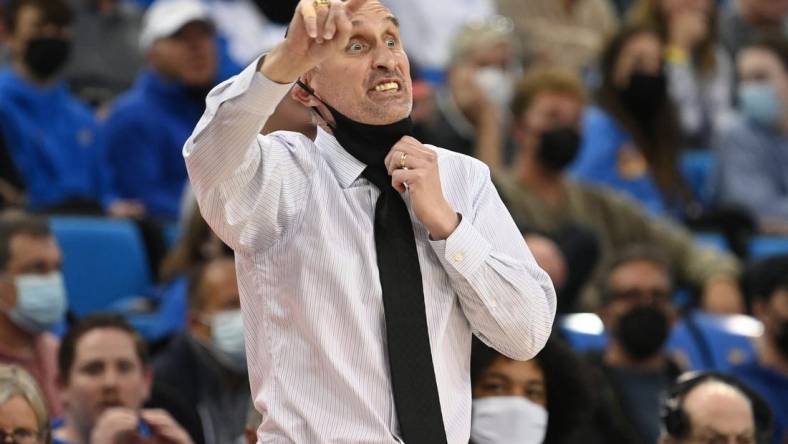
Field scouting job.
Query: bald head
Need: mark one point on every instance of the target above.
(715, 408)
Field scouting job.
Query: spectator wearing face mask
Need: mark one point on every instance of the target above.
(147, 126)
(637, 315)
(768, 373)
(52, 137)
(544, 400)
(632, 135)
(216, 385)
(743, 20)
(104, 379)
(32, 299)
(753, 150)
(473, 107)
(548, 106)
(699, 70)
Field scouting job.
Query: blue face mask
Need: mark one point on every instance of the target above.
(761, 103)
(227, 330)
(40, 302)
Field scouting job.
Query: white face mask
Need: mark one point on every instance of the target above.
(497, 85)
(227, 331)
(40, 301)
(508, 420)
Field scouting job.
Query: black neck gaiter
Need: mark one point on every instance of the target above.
(368, 143)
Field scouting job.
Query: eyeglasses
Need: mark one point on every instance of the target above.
(20, 435)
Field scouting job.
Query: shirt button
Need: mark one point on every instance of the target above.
(458, 257)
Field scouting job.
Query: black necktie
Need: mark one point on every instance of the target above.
(410, 358)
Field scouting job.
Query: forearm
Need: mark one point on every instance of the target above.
(510, 303)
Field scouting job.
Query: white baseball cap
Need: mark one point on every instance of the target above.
(164, 18)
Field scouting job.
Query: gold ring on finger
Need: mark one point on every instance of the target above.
(402, 158)
(319, 3)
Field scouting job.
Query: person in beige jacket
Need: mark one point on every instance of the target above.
(548, 106)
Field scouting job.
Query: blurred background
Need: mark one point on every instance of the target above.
(640, 145)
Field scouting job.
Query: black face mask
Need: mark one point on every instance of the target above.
(642, 331)
(45, 56)
(782, 338)
(368, 143)
(645, 95)
(558, 148)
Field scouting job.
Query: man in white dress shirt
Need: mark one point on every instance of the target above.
(359, 323)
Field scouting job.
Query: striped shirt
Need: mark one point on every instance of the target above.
(300, 219)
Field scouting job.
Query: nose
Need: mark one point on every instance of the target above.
(384, 59)
(110, 379)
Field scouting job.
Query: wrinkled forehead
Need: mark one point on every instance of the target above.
(372, 11)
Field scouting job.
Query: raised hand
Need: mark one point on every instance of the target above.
(318, 30)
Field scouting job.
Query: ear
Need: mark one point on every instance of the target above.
(148, 382)
(606, 316)
(303, 96)
(760, 308)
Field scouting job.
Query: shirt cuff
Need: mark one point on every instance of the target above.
(464, 251)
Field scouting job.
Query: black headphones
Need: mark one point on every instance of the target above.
(676, 421)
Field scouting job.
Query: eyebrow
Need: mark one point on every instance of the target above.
(390, 18)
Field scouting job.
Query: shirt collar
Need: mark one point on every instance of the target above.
(345, 167)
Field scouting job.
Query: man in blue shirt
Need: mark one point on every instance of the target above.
(148, 126)
(51, 136)
(768, 374)
(753, 151)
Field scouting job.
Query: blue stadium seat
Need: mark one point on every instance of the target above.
(765, 246)
(705, 341)
(104, 262)
(700, 341)
(712, 240)
(583, 331)
(696, 168)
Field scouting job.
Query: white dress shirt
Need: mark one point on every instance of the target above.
(300, 219)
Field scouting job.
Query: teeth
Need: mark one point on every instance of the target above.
(386, 86)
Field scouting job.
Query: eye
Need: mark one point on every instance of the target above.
(536, 394)
(493, 387)
(355, 46)
(391, 42)
(93, 368)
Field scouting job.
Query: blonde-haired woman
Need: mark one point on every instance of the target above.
(23, 413)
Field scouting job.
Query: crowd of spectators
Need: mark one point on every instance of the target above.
(586, 112)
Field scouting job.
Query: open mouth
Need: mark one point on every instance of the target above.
(387, 85)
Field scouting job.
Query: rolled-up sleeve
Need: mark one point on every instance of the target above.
(508, 299)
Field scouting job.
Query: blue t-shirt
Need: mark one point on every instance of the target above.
(773, 387)
(608, 156)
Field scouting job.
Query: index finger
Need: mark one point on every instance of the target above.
(309, 14)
